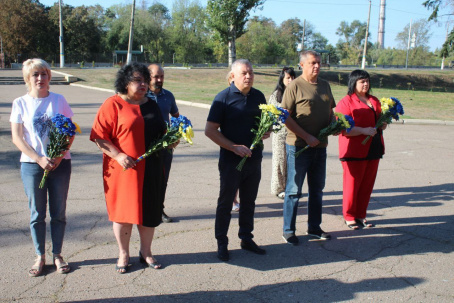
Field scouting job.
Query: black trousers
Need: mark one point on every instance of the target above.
(167, 156)
(247, 181)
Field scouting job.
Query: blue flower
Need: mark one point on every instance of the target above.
(350, 121)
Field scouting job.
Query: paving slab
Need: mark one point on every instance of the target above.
(408, 256)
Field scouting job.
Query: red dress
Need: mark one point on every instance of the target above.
(136, 195)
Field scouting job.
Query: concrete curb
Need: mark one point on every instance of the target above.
(207, 106)
(182, 102)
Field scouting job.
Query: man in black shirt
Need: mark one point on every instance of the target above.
(232, 116)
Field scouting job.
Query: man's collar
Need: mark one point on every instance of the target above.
(236, 90)
(161, 92)
(310, 81)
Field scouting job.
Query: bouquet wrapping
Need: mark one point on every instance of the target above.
(271, 117)
(180, 127)
(62, 129)
(391, 108)
(342, 122)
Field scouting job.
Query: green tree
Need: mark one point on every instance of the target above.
(188, 34)
(435, 6)
(350, 44)
(159, 11)
(23, 26)
(317, 41)
(260, 43)
(228, 18)
(420, 29)
(160, 22)
(291, 32)
(117, 27)
(82, 30)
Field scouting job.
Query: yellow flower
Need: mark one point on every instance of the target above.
(188, 135)
(386, 103)
(270, 108)
(77, 128)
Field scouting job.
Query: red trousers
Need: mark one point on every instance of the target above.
(359, 179)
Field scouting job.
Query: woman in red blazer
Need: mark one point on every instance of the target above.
(360, 162)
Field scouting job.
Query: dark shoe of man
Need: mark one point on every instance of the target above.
(290, 239)
(251, 246)
(165, 218)
(223, 253)
(318, 233)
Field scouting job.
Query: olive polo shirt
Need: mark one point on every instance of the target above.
(310, 105)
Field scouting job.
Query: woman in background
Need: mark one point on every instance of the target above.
(279, 158)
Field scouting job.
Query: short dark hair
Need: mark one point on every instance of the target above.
(125, 75)
(354, 76)
(280, 87)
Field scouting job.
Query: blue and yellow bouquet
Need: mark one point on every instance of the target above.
(391, 108)
(178, 128)
(271, 117)
(61, 131)
(342, 122)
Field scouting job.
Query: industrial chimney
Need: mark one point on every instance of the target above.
(381, 25)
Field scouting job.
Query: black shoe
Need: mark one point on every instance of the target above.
(251, 246)
(165, 218)
(290, 239)
(223, 253)
(318, 233)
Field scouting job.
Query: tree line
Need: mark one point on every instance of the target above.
(189, 33)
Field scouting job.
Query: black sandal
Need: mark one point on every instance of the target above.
(364, 223)
(353, 226)
(122, 269)
(154, 265)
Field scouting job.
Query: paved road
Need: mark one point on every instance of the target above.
(408, 256)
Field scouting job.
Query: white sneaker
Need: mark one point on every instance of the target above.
(281, 195)
(236, 206)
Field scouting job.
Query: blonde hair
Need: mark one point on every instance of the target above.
(34, 64)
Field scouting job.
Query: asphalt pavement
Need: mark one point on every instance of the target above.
(407, 257)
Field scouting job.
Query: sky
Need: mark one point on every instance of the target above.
(326, 15)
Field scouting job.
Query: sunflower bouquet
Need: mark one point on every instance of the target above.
(391, 108)
(180, 127)
(272, 117)
(61, 131)
(342, 122)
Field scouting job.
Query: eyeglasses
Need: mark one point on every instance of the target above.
(138, 80)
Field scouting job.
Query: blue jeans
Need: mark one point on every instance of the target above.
(313, 163)
(247, 182)
(57, 186)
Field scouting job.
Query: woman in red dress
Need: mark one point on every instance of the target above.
(124, 127)
(360, 162)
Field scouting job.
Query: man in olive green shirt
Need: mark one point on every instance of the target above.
(310, 103)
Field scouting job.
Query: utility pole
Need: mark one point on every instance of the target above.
(131, 33)
(304, 34)
(447, 33)
(363, 64)
(408, 46)
(2, 56)
(62, 49)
